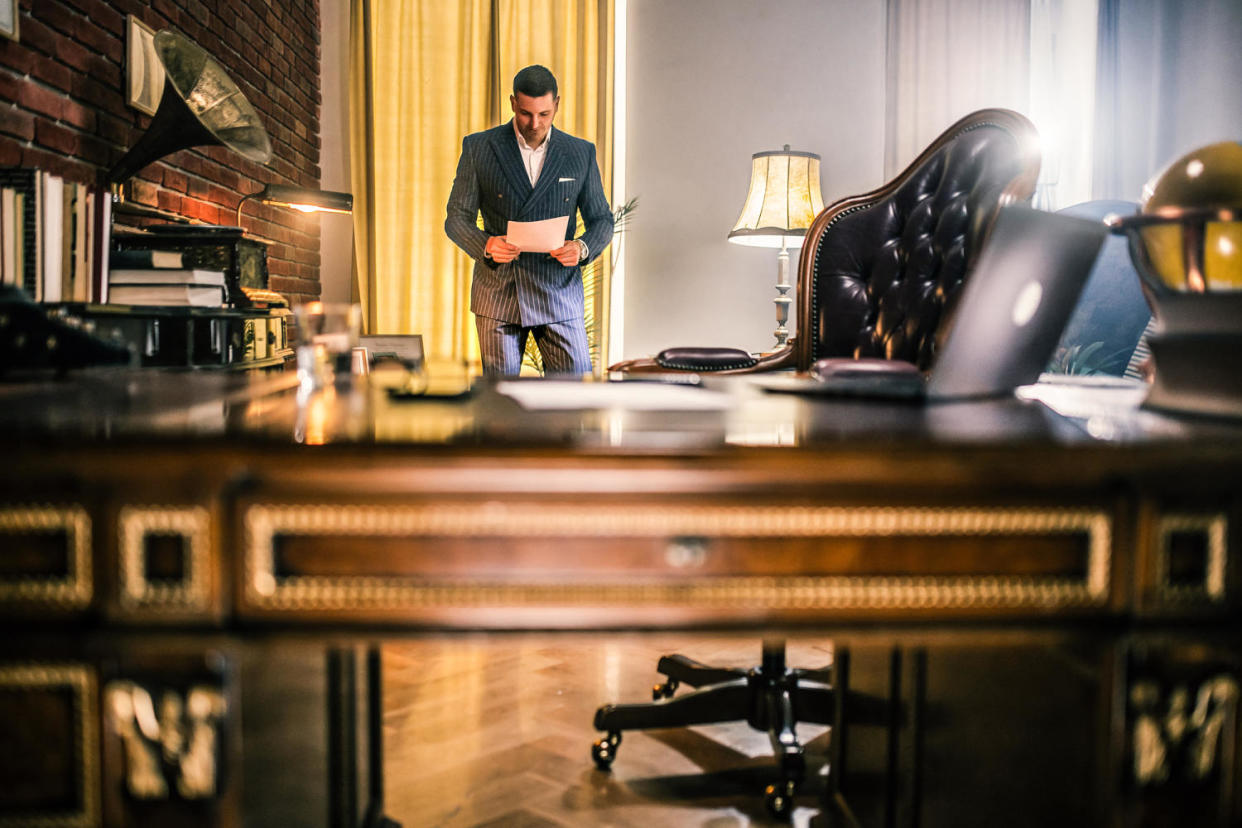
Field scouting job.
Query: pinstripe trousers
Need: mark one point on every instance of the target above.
(563, 346)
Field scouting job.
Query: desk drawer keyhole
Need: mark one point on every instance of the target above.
(686, 553)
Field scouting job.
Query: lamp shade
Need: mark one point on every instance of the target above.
(307, 200)
(302, 199)
(783, 200)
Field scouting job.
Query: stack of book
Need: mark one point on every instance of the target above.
(159, 277)
(54, 236)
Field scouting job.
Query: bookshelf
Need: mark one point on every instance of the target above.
(56, 241)
(53, 236)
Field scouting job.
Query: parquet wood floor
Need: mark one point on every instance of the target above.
(496, 731)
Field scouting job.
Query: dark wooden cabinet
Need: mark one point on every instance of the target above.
(1057, 614)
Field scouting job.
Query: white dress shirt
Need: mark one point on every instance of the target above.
(532, 159)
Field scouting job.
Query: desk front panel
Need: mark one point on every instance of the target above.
(523, 562)
(283, 539)
(161, 576)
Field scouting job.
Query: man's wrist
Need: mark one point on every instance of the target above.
(583, 251)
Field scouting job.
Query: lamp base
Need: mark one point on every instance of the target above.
(782, 300)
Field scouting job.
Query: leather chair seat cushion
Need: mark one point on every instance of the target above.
(704, 359)
(885, 270)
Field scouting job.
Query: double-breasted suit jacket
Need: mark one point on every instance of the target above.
(534, 289)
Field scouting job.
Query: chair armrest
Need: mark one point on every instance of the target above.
(707, 361)
(704, 359)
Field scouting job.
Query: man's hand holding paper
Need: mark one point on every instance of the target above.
(499, 250)
(538, 236)
(568, 255)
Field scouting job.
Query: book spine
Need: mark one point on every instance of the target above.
(102, 227)
(88, 247)
(25, 183)
(66, 244)
(19, 233)
(81, 214)
(8, 236)
(164, 276)
(35, 217)
(52, 230)
(164, 259)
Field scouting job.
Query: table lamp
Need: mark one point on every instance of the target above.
(302, 199)
(784, 199)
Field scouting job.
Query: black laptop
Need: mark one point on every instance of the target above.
(1006, 325)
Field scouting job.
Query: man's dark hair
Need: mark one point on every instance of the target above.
(535, 82)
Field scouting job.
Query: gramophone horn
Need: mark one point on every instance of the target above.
(200, 105)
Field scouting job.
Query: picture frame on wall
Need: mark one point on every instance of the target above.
(144, 72)
(8, 19)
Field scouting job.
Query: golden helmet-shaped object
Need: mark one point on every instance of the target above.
(1186, 243)
(1187, 235)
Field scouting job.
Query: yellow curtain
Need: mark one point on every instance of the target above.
(426, 73)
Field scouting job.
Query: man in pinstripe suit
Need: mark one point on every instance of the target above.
(525, 170)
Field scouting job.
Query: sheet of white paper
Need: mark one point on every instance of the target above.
(636, 396)
(1084, 396)
(538, 236)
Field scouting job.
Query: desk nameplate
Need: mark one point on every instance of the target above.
(346, 559)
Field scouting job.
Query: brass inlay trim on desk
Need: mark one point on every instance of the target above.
(81, 682)
(76, 588)
(1213, 527)
(265, 588)
(193, 524)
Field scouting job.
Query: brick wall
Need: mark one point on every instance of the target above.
(63, 109)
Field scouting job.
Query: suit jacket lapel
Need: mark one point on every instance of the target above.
(504, 144)
(552, 164)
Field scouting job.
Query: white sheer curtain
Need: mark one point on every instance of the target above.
(1168, 83)
(947, 58)
(1063, 98)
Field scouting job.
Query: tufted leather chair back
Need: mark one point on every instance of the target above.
(878, 271)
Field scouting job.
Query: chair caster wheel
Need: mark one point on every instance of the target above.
(605, 750)
(779, 798)
(665, 690)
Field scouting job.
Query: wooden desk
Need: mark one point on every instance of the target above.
(159, 527)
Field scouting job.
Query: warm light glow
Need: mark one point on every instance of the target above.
(317, 421)
(314, 410)
(302, 199)
(1194, 169)
(782, 202)
(307, 208)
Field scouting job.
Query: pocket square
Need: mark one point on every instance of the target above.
(563, 180)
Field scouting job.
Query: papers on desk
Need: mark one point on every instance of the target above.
(1081, 397)
(554, 395)
(1106, 408)
(538, 236)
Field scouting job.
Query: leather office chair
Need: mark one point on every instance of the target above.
(876, 270)
(875, 274)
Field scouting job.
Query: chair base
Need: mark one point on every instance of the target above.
(771, 697)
